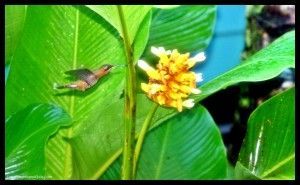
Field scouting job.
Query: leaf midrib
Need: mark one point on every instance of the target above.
(162, 153)
(278, 165)
(72, 100)
(74, 58)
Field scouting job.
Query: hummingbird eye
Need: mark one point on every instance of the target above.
(107, 67)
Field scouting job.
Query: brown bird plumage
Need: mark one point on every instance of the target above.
(86, 78)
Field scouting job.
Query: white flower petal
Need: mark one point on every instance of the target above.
(199, 77)
(155, 50)
(143, 65)
(160, 50)
(287, 84)
(199, 57)
(196, 91)
(189, 103)
(167, 52)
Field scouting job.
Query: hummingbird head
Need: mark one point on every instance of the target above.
(106, 68)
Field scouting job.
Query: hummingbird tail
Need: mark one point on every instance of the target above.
(57, 86)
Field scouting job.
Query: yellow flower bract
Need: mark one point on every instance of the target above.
(171, 82)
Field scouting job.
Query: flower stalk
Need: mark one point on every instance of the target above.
(142, 135)
(130, 103)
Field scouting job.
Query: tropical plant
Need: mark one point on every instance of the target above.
(52, 134)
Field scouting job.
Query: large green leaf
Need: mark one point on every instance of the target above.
(133, 16)
(26, 133)
(14, 22)
(141, 37)
(187, 146)
(265, 64)
(70, 37)
(186, 28)
(268, 150)
(137, 18)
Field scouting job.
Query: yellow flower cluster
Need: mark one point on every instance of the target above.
(172, 82)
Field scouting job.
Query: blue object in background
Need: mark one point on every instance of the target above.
(227, 44)
(7, 67)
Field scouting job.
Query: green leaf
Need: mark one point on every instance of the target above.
(268, 150)
(186, 28)
(187, 146)
(265, 64)
(14, 22)
(26, 133)
(240, 173)
(133, 16)
(141, 37)
(70, 37)
(230, 172)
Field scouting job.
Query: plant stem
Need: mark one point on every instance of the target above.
(141, 137)
(130, 103)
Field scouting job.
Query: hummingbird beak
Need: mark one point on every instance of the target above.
(119, 65)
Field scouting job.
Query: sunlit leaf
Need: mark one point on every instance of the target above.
(141, 37)
(186, 28)
(70, 37)
(26, 133)
(265, 64)
(268, 150)
(64, 42)
(15, 16)
(133, 16)
(187, 146)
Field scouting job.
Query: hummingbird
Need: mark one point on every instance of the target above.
(85, 77)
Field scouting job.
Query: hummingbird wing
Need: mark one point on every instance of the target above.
(83, 74)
